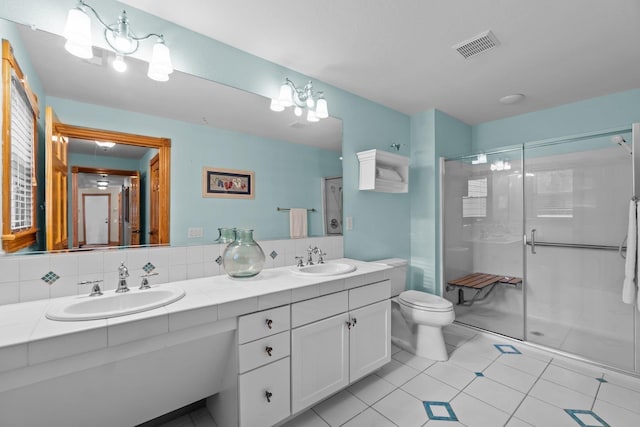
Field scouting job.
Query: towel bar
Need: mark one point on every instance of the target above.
(288, 209)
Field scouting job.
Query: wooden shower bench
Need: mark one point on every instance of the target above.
(480, 282)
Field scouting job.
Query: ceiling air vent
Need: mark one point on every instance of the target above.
(478, 44)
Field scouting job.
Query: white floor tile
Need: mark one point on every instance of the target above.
(202, 418)
(425, 387)
(482, 347)
(620, 396)
(395, 349)
(615, 415)
(539, 413)
(340, 408)
(515, 422)
(495, 394)
(402, 409)
(450, 374)
(440, 423)
(560, 396)
(622, 380)
(397, 373)
(372, 388)
(510, 377)
(416, 362)
(475, 413)
(306, 419)
(570, 379)
(469, 360)
(369, 418)
(523, 363)
(455, 336)
(577, 366)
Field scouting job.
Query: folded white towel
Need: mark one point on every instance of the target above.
(629, 286)
(297, 223)
(388, 174)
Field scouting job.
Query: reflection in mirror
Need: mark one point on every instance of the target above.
(208, 124)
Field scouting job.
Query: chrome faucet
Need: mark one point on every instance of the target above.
(145, 280)
(95, 288)
(317, 251)
(123, 273)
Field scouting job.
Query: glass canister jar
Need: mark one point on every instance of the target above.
(225, 235)
(243, 257)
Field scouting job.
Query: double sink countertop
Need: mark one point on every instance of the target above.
(28, 337)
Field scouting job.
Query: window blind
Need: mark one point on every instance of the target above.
(22, 138)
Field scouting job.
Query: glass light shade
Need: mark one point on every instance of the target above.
(311, 116)
(322, 112)
(160, 66)
(310, 102)
(276, 106)
(297, 111)
(83, 51)
(119, 65)
(78, 27)
(286, 95)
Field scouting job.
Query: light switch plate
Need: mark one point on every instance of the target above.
(195, 232)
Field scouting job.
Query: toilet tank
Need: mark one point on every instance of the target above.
(398, 275)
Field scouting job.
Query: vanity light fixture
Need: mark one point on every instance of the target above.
(293, 96)
(119, 36)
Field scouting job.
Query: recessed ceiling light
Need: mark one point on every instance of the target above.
(104, 144)
(512, 99)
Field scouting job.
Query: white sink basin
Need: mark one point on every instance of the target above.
(112, 304)
(328, 269)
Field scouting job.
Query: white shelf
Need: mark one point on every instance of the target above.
(372, 161)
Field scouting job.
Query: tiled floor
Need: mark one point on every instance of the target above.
(488, 381)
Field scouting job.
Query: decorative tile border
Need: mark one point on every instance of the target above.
(50, 278)
(434, 408)
(582, 415)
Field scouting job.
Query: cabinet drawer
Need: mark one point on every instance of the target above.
(318, 308)
(265, 350)
(263, 323)
(264, 395)
(365, 295)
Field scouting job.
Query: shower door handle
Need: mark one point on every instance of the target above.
(532, 242)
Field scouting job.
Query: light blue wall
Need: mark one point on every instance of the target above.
(592, 115)
(434, 134)
(381, 221)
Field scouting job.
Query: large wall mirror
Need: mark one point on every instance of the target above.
(203, 125)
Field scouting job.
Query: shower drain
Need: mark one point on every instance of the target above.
(539, 334)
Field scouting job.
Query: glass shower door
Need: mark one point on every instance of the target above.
(576, 208)
(482, 240)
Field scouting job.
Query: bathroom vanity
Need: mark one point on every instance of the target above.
(260, 350)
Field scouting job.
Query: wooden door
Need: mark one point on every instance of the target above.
(56, 176)
(154, 200)
(134, 209)
(319, 361)
(369, 339)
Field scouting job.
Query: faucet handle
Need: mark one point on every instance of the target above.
(95, 289)
(145, 280)
(321, 256)
(299, 262)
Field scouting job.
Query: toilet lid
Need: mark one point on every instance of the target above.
(425, 301)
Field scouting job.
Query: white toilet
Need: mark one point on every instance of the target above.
(417, 317)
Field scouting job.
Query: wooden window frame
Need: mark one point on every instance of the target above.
(13, 241)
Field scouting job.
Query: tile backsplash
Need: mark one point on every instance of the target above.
(34, 277)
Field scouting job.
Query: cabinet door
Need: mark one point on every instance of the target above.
(319, 360)
(370, 339)
(264, 395)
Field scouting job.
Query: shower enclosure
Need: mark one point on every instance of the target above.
(332, 202)
(533, 244)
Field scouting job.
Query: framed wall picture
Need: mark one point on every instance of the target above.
(229, 183)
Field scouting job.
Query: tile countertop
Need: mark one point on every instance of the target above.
(207, 300)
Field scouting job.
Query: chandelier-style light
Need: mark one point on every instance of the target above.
(119, 36)
(292, 96)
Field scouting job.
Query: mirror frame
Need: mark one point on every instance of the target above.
(164, 157)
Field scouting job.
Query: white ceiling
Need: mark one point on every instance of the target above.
(399, 52)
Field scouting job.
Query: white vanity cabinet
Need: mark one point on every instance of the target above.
(264, 367)
(336, 339)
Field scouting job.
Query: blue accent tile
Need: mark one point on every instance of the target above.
(50, 278)
(219, 260)
(148, 267)
(586, 414)
(273, 254)
(479, 374)
(507, 349)
(602, 380)
(429, 407)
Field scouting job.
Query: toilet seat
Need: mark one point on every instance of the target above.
(424, 301)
